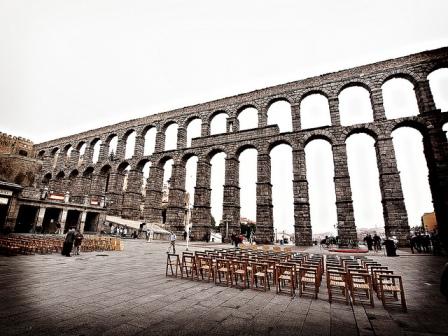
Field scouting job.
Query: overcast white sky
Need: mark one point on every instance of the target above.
(70, 66)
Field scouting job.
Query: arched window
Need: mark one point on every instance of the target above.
(248, 118)
(279, 113)
(113, 143)
(322, 195)
(248, 182)
(411, 162)
(355, 106)
(218, 123)
(438, 81)
(193, 130)
(150, 141)
(399, 98)
(171, 137)
(130, 145)
(190, 179)
(364, 182)
(314, 111)
(282, 188)
(96, 150)
(217, 181)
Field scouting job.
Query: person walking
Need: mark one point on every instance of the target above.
(172, 242)
(78, 241)
(149, 235)
(68, 243)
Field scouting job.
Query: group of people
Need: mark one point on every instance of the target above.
(373, 243)
(425, 243)
(73, 238)
(118, 231)
(236, 239)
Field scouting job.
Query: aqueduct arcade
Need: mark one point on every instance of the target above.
(108, 163)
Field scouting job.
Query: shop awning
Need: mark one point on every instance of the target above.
(135, 224)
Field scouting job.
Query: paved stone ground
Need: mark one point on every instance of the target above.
(127, 293)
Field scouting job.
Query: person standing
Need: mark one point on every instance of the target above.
(68, 243)
(149, 235)
(78, 241)
(172, 242)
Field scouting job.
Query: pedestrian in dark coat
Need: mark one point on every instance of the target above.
(68, 243)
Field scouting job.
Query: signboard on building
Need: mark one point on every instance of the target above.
(56, 196)
(3, 200)
(4, 192)
(94, 200)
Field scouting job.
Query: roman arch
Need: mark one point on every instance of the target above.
(102, 176)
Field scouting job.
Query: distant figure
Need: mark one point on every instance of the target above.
(58, 228)
(369, 241)
(149, 235)
(125, 232)
(233, 239)
(185, 235)
(68, 243)
(135, 235)
(78, 241)
(376, 243)
(172, 242)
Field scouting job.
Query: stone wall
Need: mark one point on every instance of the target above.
(103, 177)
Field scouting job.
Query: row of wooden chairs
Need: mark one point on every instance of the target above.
(44, 244)
(285, 272)
(359, 279)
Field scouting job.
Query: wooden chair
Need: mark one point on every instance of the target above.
(259, 278)
(223, 273)
(285, 278)
(188, 266)
(239, 272)
(172, 260)
(205, 267)
(389, 288)
(308, 281)
(361, 289)
(337, 281)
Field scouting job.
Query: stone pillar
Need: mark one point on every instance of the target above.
(82, 222)
(47, 163)
(63, 219)
(139, 146)
(201, 215)
(80, 187)
(121, 149)
(265, 221)
(104, 152)
(231, 199)
(233, 125)
(263, 117)
(74, 158)
(295, 116)
(302, 219)
(133, 196)
(205, 129)
(333, 104)
(437, 157)
(394, 210)
(12, 213)
(153, 201)
(40, 217)
(175, 214)
(97, 187)
(88, 154)
(160, 141)
(181, 137)
(344, 204)
(424, 97)
(376, 99)
(114, 194)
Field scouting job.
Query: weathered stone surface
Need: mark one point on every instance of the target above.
(103, 174)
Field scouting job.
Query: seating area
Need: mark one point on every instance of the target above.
(349, 279)
(15, 244)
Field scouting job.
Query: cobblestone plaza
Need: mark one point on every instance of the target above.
(127, 293)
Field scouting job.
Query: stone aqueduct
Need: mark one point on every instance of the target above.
(83, 177)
